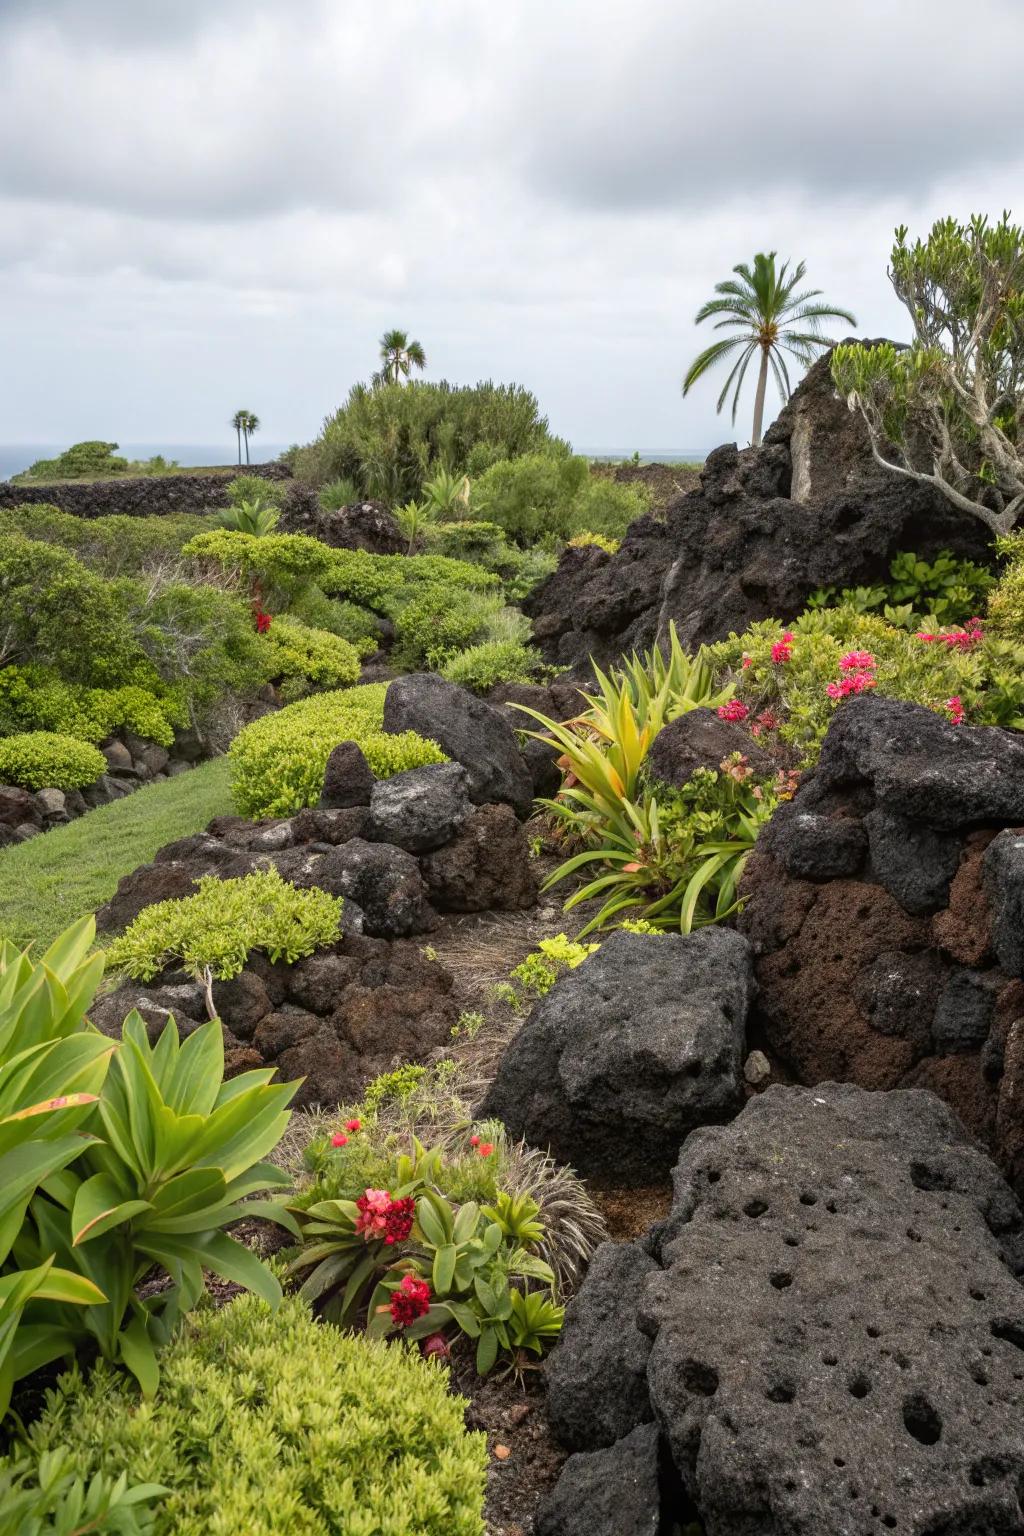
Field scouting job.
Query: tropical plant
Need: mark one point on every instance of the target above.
(552, 496)
(949, 409)
(45, 1497)
(249, 517)
(398, 357)
(943, 591)
(772, 318)
(238, 422)
(250, 425)
(447, 495)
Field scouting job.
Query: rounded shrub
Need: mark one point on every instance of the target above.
(267, 1423)
(279, 762)
(495, 661)
(48, 760)
(305, 658)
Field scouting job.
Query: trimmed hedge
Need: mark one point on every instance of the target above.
(47, 760)
(279, 761)
(267, 1424)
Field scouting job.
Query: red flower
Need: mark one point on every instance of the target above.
(398, 1221)
(262, 621)
(373, 1206)
(474, 1141)
(486, 1148)
(339, 1139)
(436, 1347)
(353, 1125)
(410, 1301)
(857, 682)
(956, 710)
(782, 650)
(857, 661)
(734, 710)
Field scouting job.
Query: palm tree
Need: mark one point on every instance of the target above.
(398, 357)
(771, 319)
(250, 425)
(238, 422)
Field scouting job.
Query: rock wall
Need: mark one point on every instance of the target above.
(885, 908)
(769, 525)
(137, 495)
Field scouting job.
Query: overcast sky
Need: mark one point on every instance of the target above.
(207, 204)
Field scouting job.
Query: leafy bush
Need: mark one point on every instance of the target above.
(279, 761)
(303, 658)
(337, 494)
(114, 545)
(88, 458)
(46, 760)
(479, 667)
(431, 627)
(301, 1428)
(359, 626)
(598, 540)
(36, 699)
(540, 496)
(215, 931)
(256, 490)
(390, 440)
(947, 591)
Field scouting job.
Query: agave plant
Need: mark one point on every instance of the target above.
(447, 494)
(255, 517)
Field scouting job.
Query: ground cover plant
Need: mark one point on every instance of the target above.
(48, 882)
(302, 1427)
(278, 762)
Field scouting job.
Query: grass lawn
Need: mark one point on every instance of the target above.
(61, 875)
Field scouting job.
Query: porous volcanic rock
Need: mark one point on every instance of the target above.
(629, 1052)
(837, 1327)
(348, 780)
(361, 525)
(809, 508)
(597, 1372)
(468, 730)
(486, 866)
(421, 809)
(337, 1018)
(883, 905)
(699, 739)
(613, 1492)
(384, 881)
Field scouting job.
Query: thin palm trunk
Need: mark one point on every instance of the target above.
(238, 434)
(762, 385)
(246, 445)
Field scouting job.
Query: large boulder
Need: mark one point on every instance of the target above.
(809, 508)
(837, 1328)
(468, 731)
(486, 866)
(421, 809)
(597, 1373)
(361, 525)
(884, 906)
(348, 780)
(384, 881)
(629, 1052)
(699, 739)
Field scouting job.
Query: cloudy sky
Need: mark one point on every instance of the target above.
(213, 203)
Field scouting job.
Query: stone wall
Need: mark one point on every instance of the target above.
(137, 495)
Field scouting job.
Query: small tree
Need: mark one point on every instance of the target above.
(949, 409)
(238, 422)
(398, 357)
(250, 426)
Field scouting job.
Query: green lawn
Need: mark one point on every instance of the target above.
(48, 882)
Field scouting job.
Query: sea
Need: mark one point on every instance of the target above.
(14, 457)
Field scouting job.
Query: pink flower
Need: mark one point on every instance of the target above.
(956, 710)
(474, 1141)
(353, 1125)
(857, 661)
(856, 682)
(486, 1148)
(734, 710)
(339, 1139)
(410, 1301)
(782, 650)
(748, 661)
(956, 639)
(373, 1207)
(768, 720)
(435, 1347)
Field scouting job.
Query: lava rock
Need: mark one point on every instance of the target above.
(17, 806)
(348, 780)
(813, 846)
(117, 755)
(320, 825)
(487, 865)
(421, 809)
(699, 739)
(597, 1373)
(965, 1011)
(468, 731)
(384, 881)
(913, 862)
(1004, 884)
(541, 759)
(629, 1052)
(837, 1325)
(613, 1492)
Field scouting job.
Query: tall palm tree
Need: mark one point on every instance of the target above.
(250, 425)
(398, 357)
(238, 422)
(771, 319)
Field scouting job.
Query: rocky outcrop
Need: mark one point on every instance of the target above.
(769, 525)
(362, 525)
(336, 1019)
(836, 1329)
(467, 730)
(699, 739)
(629, 1052)
(884, 905)
(614, 1492)
(138, 495)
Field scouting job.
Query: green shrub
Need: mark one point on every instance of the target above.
(435, 625)
(279, 563)
(479, 667)
(359, 626)
(947, 591)
(337, 494)
(279, 761)
(255, 489)
(88, 458)
(46, 760)
(540, 496)
(389, 441)
(37, 1499)
(268, 1424)
(218, 928)
(304, 659)
(113, 546)
(36, 699)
